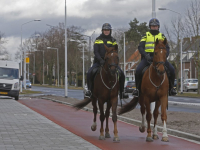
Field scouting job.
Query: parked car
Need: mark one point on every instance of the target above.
(190, 84)
(28, 84)
(130, 86)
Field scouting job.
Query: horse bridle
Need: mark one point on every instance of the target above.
(157, 64)
(109, 67)
(112, 64)
(156, 68)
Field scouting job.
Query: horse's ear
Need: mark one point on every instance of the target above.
(157, 41)
(165, 41)
(106, 47)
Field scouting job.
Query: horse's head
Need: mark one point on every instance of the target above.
(160, 56)
(111, 59)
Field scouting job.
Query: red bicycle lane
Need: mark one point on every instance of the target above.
(79, 123)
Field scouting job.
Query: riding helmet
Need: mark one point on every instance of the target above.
(154, 22)
(106, 26)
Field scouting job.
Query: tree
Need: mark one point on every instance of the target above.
(136, 31)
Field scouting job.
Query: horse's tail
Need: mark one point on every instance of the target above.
(129, 106)
(82, 103)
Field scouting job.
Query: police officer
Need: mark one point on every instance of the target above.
(99, 54)
(146, 49)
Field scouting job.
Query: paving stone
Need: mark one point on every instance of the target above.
(23, 129)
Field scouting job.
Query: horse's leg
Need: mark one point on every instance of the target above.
(94, 103)
(148, 118)
(164, 102)
(114, 118)
(155, 115)
(142, 110)
(107, 114)
(102, 118)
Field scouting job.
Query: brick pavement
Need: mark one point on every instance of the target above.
(23, 129)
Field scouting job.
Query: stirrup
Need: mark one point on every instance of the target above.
(135, 94)
(88, 94)
(172, 92)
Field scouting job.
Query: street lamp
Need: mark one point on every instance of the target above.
(180, 50)
(83, 62)
(24, 57)
(66, 82)
(90, 38)
(42, 63)
(57, 61)
(124, 51)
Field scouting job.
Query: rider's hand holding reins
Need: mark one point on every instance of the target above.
(148, 57)
(102, 62)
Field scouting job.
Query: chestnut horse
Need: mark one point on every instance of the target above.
(154, 88)
(106, 87)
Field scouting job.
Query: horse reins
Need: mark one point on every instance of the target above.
(157, 87)
(104, 82)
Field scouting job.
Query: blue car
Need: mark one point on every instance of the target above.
(28, 84)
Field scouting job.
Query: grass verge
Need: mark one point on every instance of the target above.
(60, 87)
(29, 92)
(188, 95)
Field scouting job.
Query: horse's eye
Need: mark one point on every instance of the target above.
(155, 53)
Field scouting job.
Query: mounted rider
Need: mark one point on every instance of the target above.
(99, 54)
(146, 49)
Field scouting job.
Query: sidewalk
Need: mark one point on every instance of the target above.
(23, 129)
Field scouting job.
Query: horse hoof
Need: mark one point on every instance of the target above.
(116, 139)
(149, 139)
(93, 128)
(101, 137)
(107, 135)
(155, 137)
(142, 129)
(165, 139)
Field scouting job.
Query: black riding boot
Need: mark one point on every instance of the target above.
(136, 92)
(122, 94)
(172, 91)
(88, 93)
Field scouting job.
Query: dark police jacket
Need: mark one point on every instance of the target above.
(99, 49)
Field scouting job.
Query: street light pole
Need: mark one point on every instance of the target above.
(124, 57)
(24, 57)
(66, 82)
(83, 69)
(180, 49)
(43, 68)
(57, 61)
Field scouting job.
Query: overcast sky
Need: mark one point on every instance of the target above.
(89, 14)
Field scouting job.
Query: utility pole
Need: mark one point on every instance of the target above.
(153, 16)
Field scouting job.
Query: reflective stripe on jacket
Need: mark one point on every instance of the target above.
(150, 40)
(109, 43)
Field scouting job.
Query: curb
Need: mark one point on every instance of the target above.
(183, 103)
(173, 132)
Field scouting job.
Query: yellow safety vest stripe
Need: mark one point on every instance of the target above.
(108, 42)
(150, 40)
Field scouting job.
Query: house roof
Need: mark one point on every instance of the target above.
(135, 57)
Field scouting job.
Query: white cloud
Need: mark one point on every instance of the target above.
(12, 45)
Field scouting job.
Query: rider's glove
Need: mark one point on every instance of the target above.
(102, 62)
(148, 57)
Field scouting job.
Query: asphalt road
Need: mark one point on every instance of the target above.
(78, 94)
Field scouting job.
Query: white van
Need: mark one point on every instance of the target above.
(9, 79)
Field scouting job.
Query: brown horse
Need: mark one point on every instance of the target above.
(106, 87)
(154, 88)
